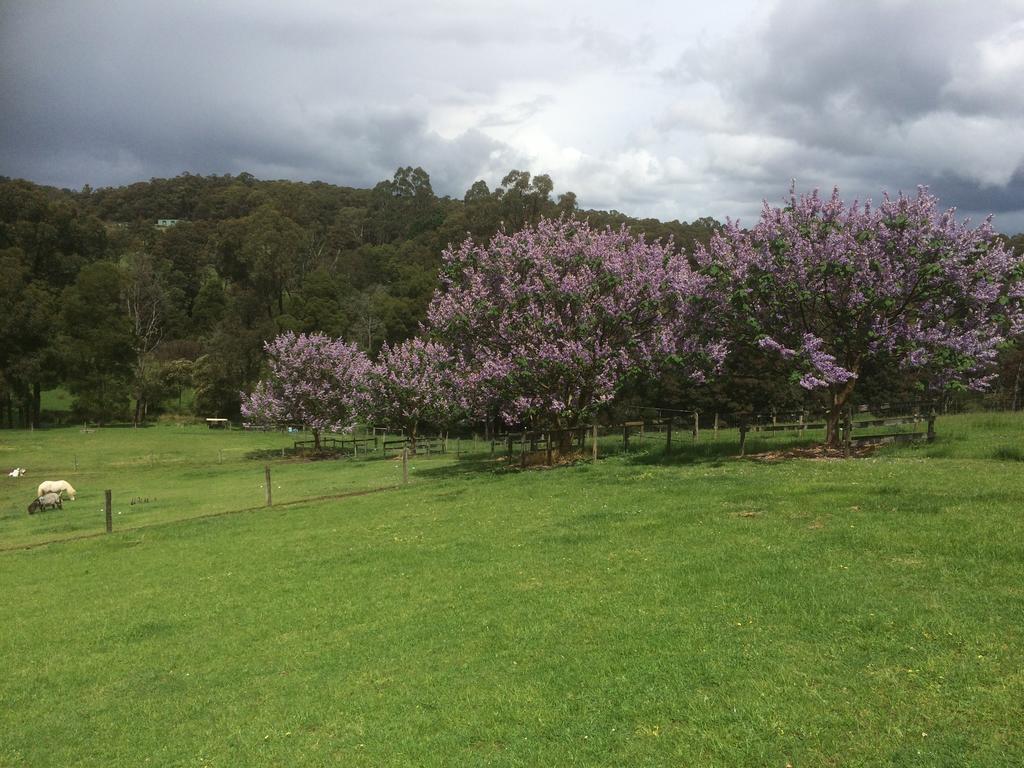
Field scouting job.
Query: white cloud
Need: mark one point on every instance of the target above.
(984, 149)
(987, 75)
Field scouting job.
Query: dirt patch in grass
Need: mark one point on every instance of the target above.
(817, 453)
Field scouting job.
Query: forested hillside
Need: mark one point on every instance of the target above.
(126, 296)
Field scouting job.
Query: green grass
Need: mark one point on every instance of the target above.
(61, 401)
(56, 400)
(689, 610)
(181, 472)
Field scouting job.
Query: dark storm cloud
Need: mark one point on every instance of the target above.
(871, 96)
(107, 96)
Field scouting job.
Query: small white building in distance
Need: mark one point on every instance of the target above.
(165, 223)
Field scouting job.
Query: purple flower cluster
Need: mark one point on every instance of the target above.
(410, 383)
(548, 322)
(830, 286)
(313, 380)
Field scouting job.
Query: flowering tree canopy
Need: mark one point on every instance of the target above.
(411, 383)
(549, 321)
(313, 380)
(831, 287)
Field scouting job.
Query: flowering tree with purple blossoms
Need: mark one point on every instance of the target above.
(831, 287)
(411, 383)
(313, 380)
(550, 321)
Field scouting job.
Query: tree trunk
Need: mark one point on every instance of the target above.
(138, 411)
(25, 408)
(36, 402)
(410, 433)
(840, 397)
(565, 436)
(316, 440)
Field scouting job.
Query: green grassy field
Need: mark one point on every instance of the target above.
(57, 404)
(695, 609)
(181, 472)
(56, 400)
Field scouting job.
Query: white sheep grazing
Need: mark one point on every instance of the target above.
(56, 486)
(47, 501)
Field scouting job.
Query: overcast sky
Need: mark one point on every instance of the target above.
(675, 110)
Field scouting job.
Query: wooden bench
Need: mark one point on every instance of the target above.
(884, 438)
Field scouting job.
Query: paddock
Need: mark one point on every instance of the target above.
(777, 601)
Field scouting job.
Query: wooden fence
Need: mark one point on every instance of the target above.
(849, 426)
(541, 446)
(426, 444)
(351, 445)
(355, 446)
(668, 427)
(538, 443)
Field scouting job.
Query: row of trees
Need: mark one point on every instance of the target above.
(327, 384)
(547, 325)
(98, 300)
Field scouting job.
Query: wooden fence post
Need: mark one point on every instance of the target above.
(848, 434)
(625, 438)
(931, 425)
(668, 437)
(266, 475)
(594, 442)
(549, 459)
(405, 465)
(108, 511)
(696, 426)
(509, 440)
(803, 426)
(716, 425)
(522, 450)
(743, 437)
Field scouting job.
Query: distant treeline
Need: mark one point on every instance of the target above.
(125, 296)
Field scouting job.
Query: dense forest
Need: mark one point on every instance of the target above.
(128, 296)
